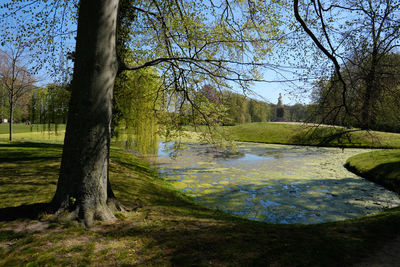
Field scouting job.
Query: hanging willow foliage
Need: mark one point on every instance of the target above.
(135, 97)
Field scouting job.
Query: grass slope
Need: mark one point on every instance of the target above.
(382, 167)
(166, 228)
(299, 134)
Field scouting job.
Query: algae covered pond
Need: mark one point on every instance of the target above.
(275, 183)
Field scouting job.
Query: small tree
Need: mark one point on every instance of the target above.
(14, 79)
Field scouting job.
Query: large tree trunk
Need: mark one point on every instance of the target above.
(82, 184)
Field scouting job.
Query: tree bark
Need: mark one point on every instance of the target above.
(367, 116)
(82, 189)
(11, 118)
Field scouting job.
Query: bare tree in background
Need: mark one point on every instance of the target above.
(357, 37)
(15, 79)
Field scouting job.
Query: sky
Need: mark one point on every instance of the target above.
(269, 92)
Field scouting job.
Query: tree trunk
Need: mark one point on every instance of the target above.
(367, 116)
(82, 184)
(10, 122)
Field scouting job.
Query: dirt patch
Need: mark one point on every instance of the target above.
(28, 226)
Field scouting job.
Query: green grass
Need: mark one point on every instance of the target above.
(23, 128)
(36, 132)
(167, 228)
(382, 167)
(279, 133)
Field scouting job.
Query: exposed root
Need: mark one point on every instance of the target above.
(116, 206)
(87, 216)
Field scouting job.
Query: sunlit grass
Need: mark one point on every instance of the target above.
(280, 133)
(37, 132)
(23, 128)
(382, 167)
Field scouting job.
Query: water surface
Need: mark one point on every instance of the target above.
(275, 183)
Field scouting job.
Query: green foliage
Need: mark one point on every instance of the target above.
(136, 99)
(360, 38)
(241, 109)
(382, 100)
(50, 104)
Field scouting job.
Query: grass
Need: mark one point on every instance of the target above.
(23, 128)
(382, 167)
(167, 228)
(280, 133)
(36, 132)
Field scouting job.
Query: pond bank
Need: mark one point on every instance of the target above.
(382, 167)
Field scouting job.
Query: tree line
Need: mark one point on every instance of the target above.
(367, 108)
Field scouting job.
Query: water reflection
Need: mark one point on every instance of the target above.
(275, 183)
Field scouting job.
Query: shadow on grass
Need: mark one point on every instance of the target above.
(328, 136)
(386, 174)
(242, 243)
(26, 157)
(30, 145)
(31, 211)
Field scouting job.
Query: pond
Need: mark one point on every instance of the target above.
(275, 183)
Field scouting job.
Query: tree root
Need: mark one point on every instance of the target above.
(116, 206)
(86, 216)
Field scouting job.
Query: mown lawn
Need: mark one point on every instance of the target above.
(36, 132)
(164, 227)
(300, 134)
(382, 167)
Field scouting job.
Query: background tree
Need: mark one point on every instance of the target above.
(357, 37)
(383, 112)
(15, 79)
(297, 113)
(49, 105)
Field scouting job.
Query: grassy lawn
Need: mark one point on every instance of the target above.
(280, 133)
(382, 167)
(36, 132)
(165, 228)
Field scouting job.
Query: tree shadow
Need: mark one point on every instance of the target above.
(225, 242)
(386, 174)
(31, 145)
(21, 157)
(30, 211)
(327, 136)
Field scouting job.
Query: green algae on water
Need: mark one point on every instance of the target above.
(277, 183)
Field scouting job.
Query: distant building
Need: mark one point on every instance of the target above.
(280, 112)
(4, 120)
